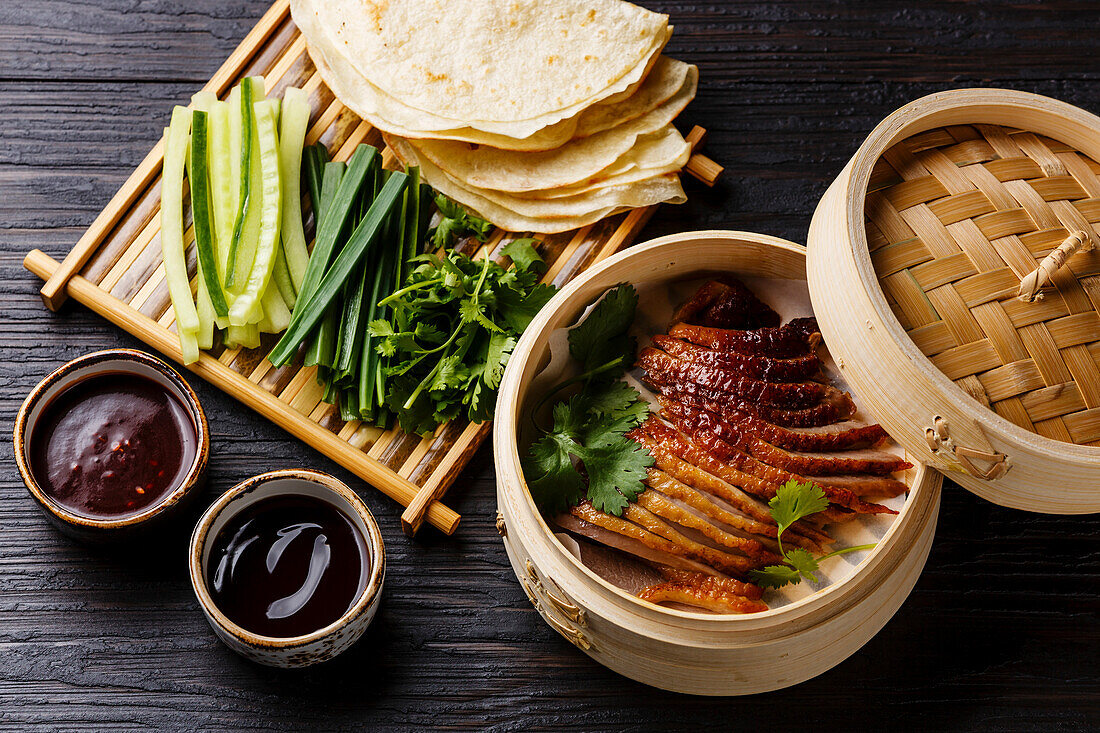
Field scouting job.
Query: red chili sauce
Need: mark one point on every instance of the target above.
(287, 566)
(112, 444)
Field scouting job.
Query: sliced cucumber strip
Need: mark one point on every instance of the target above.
(251, 92)
(200, 207)
(270, 202)
(177, 138)
(292, 135)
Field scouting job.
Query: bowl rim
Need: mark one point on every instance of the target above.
(125, 358)
(959, 106)
(375, 546)
(505, 444)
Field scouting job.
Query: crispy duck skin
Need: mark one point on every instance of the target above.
(724, 561)
(799, 463)
(630, 545)
(864, 486)
(692, 456)
(665, 485)
(773, 477)
(664, 508)
(786, 341)
(834, 406)
(725, 302)
(681, 480)
(779, 394)
(666, 459)
(863, 436)
(588, 513)
(737, 587)
(765, 368)
(701, 595)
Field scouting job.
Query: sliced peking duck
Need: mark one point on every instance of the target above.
(744, 407)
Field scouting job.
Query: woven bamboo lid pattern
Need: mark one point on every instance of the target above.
(956, 217)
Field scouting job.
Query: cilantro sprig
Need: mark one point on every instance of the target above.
(586, 453)
(793, 501)
(456, 222)
(463, 318)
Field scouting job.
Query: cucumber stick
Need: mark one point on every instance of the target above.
(203, 216)
(280, 278)
(246, 337)
(177, 138)
(243, 243)
(223, 192)
(243, 117)
(292, 135)
(276, 314)
(268, 196)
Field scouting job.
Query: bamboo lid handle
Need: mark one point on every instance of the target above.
(1078, 241)
(996, 464)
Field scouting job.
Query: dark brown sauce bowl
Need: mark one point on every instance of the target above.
(319, 645)
(109, 529)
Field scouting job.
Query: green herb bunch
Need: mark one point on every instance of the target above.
(462, 318)
(586, 453)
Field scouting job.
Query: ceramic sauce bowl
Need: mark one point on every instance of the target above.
(270, 564)
(125, 376)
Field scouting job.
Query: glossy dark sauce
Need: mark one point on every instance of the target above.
(112, 445)
(287, 566)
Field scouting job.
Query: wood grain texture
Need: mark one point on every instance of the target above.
(1000, 632)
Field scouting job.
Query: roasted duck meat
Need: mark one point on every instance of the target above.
(744, 408)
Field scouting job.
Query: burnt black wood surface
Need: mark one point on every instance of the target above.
(1002, 631)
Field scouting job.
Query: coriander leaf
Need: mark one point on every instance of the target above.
(618, 400)
(522, 252)
(570, 417)
(518, 309)
(602, 336)
(445, 412)
(445, 233)
(471, 312)
(500, 349)
(616, 468)
(448, 207)
(380, 328)
(479, 401)
(554, 483)
(417, 418)
(775, 576)
(456, 222)
(802, 561)
(449, 375)
(795, 500)
(429, 333)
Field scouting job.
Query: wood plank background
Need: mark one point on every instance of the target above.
(1000, 633)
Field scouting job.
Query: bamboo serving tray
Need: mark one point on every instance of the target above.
(116, 270)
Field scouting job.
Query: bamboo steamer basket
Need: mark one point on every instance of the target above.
(917, 255)
(697, 653)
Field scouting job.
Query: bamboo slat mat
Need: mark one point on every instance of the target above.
(116, 270)
(956, 218)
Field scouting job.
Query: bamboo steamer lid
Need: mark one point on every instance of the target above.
(953, 271)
